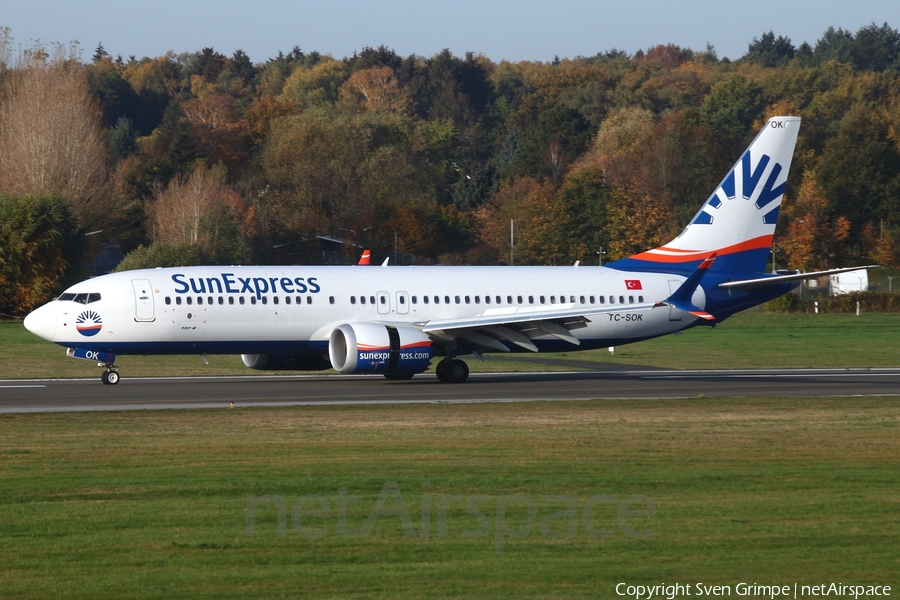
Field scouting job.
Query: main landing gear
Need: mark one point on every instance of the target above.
(452, 370)
(110, 375)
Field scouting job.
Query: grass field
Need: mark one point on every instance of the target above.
(752, 339)
(154, 504)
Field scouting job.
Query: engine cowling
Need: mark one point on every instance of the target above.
(377, 348)
(285, 362)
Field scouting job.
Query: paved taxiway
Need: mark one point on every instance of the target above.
(214, 392)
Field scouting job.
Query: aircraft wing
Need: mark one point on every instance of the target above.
(518, 324)
(754, 284)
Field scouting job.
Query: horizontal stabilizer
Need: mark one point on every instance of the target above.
(755, 284)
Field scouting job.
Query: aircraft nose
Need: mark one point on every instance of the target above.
(42, 322)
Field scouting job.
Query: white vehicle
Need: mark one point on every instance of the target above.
(851, 281)
(396, 320)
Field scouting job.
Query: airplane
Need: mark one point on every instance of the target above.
(394, 321)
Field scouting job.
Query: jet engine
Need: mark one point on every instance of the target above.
(398, 352)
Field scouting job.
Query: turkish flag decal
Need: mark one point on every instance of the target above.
(633, 284)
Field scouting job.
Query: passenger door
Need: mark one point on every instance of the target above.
(143, 300)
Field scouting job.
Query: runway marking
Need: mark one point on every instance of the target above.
(22, 386)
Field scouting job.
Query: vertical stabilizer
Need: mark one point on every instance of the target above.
(738, 220)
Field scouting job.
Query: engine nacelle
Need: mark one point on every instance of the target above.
(377, 348)
(285, 362)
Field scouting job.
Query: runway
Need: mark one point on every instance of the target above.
(218, 392)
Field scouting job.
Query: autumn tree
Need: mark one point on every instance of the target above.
(200, 210)
(812, 237)
(51, 141)
(376, 88)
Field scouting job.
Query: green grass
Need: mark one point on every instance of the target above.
(152, 504)
(752, 339)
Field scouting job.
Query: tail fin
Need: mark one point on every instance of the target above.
(738, 220)
(365, 258)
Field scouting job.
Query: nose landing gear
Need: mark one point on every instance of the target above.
(111, 375)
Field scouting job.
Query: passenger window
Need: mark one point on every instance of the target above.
(640, 298)
(189, 300)
(402, 300)
(621, 300)
(572, 299)
(543, 300)
(382, 299)
(274, 299)
(241, 299)
(178, 300)
(447, 299)
(530, 299)
(612, 299)
(456, 298)
(499, 300)
(352, 299)
(199, 300)
(209, 300)
(630, 299)
(287, 299)
(371, 299)
(230, 299)
(591, 298)
(519, 299)
(168, 300)
(487, 299)
(425, 299)
(601, 299)
(330, 299)
(414, 300)
(581, 299)
(553, 299)
(298, 300)
(221, 300)
(477, 300)
(252, 299)
(265, 300)
(309, 299)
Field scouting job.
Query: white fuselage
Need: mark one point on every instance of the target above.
(194, 310)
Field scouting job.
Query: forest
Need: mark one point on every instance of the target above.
(204, 158)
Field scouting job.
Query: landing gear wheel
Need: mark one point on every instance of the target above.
(441, 370)
(110, 377)
(457, 371)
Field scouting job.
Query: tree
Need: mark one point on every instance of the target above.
(40, 250)
(200, 210)
(376, 88)
(860, 169)
(770, 51)
(731, 109)
(812, 237)
(51, 141)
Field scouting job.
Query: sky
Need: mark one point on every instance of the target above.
(511, 30)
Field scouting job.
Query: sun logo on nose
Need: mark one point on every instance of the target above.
(88, 323)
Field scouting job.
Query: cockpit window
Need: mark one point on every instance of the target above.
(80, 298)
